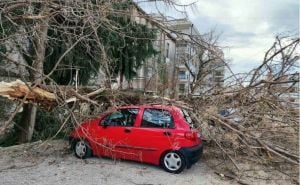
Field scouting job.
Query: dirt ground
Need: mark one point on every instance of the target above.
(52, 163)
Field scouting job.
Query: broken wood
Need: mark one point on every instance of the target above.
(17, 90)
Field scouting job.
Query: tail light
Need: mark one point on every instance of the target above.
(191, 135)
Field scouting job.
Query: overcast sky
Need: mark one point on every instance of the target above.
(247, 27)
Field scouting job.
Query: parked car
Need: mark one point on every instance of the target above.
(156, 134)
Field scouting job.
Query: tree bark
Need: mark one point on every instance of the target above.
(26, 126)
(29, 115)
(121, 80)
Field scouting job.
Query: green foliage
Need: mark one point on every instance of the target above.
(2, 50)
(126, 43)
(129, 45)
(80, 57)
(6, 28)
(47, 125)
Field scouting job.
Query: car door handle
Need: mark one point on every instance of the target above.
(127, 130)
(167, 133)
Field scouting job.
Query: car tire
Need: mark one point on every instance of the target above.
(82, 149)
(173, 161)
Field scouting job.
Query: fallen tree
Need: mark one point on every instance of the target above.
(19, 90)
(259, 124)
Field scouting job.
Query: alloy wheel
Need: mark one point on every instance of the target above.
(172, 161)
(80, 148)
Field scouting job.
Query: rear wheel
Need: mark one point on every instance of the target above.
(173, 162)
(82, 149)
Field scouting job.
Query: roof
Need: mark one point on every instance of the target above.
(156, 106)
(154, 22)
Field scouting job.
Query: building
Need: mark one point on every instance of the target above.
(154, 77)
(287, 89)
(173, 70)
(188, 64)
(186, 54)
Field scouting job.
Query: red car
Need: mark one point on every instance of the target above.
(156, 134)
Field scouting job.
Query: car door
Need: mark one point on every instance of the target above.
(153, 135)
(114, 132)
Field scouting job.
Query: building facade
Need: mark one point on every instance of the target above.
(189, 65)
(172, 71)
(155, 75)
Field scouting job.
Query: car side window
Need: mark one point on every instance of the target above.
(188, 118)
(122, 117)
(157, 118)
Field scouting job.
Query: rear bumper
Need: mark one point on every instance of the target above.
(192, 154)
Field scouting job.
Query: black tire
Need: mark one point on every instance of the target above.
(82, 149)
(176, 158)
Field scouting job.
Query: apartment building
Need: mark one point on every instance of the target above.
(169, 72)
(155, 76)
(188, 62)
(186, 54)
(214, 79)
(288, 90)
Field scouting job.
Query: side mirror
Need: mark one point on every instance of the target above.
(104, 123)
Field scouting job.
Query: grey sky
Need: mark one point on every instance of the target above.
(247, 27)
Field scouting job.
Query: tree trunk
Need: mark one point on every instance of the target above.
(121, 69)
(121, 80)
(29, 114)
(26, 126)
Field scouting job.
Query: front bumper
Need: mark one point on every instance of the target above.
(192, 154)
(72, 142)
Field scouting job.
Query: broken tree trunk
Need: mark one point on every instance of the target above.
(19, 90)
(25, 130)
(41, 96)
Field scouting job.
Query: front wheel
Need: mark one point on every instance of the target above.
(173, 162)
(82, 149)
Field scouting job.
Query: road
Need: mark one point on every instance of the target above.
(51, 163)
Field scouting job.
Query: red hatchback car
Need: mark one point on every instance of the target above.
(156, 134)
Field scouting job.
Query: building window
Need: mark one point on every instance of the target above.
(149, 72)
(181, 88)
(219, 79)
(218, 73)
(167, 50)
(182, 75)
(182, 45)
(218, 84)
